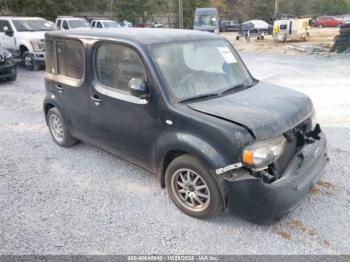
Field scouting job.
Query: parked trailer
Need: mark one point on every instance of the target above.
(291, 30)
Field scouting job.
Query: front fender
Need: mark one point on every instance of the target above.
(190, 144)
(25, 43)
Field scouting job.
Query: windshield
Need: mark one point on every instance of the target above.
(23, 25)
(206, 20)
(111, 24)
(79, 24)
(199, 68)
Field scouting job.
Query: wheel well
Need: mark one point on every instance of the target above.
(22, 49)
(170, 156)
(48, 107)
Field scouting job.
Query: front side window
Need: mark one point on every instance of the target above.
(70, 59)
(197, 68)
(65, 25)
(3, 24)
(116, 65)
(31, 25)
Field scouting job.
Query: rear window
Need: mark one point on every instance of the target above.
(283, 27)
(70, 58)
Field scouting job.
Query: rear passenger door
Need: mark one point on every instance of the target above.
(116, 115)
(70, 88)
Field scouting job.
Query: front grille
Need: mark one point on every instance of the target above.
(294, 142)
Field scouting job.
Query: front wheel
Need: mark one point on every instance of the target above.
(29, 62)
(192, 188)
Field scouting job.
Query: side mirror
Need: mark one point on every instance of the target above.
(8, 31)
(138, 88)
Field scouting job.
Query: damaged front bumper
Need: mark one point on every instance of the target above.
(252, 199)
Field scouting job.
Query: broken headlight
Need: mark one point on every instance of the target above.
(314, 121)
(263, 153)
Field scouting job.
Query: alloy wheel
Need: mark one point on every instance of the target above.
(190, 190)
(56, 128)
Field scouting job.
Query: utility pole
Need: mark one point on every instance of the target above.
(181, 15)
(276, 7)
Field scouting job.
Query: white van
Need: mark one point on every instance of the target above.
(24, 38)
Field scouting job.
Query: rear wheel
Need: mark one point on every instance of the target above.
(192, 188)
(58, 130)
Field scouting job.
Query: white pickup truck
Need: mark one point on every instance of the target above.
(24, 38)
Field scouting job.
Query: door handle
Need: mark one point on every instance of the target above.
(97, 101)
(60, 88)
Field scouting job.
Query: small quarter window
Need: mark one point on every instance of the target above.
(49, 56)
(116, 65)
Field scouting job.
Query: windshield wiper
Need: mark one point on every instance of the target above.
(237, 87)
(199, 97)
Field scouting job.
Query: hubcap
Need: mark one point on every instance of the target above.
(28, 61)
(190, 190)
(56, 128)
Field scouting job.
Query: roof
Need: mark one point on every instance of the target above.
(146, 36)
(21, 17)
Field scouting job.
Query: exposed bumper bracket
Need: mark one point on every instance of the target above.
(228, 168)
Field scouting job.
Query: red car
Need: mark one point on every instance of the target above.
(328, 21)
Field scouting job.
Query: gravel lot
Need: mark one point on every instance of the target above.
(83, 200)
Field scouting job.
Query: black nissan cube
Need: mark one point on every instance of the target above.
(182, 105)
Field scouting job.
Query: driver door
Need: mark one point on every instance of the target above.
(7, 41)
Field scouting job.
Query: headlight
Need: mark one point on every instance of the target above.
(36, 45)
(216, 31)
(7, 55)
(263, 153)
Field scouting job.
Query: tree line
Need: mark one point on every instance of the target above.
(145, 10)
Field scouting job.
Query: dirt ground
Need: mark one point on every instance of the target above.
(321, 37)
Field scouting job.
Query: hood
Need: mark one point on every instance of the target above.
(32, 35)
(265, 110)
(205, 27)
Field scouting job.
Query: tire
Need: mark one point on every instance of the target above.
(211, 199)
(13, 78)
(345, 26)
(29, 62)
(321, 26)
(58, 130)
(342, 40)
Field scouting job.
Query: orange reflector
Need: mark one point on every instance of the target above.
(247, 157)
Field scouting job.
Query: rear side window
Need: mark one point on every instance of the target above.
(99, 25)
(116, 65)
(49, 56)
(70, 58)
(59, 22)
